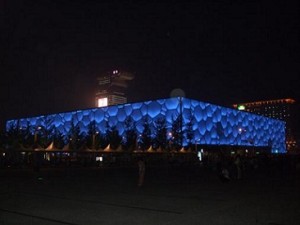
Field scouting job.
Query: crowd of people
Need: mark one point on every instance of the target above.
(227, 167)
(235, 167)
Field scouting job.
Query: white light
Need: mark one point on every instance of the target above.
(200, 156)
(102, 102)
(99, 158)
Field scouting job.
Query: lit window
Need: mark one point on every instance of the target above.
(102, 102)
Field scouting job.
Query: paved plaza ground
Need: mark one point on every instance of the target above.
(181, 195)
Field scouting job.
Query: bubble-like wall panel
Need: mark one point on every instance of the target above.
(212, 124)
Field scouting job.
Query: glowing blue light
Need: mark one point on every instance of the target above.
(212, 124)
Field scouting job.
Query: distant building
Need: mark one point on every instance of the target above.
(282, 109)
(112, 88)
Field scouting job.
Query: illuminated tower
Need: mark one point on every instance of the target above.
(112, 88)
(281, 109)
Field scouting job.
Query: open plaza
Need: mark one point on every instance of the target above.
(172, 194)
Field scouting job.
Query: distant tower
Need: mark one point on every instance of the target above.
(112, 88)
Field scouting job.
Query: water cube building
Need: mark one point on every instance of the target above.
(211, 124)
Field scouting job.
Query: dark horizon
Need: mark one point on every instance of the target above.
(221, 53)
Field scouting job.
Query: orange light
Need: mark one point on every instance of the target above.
(287, 100)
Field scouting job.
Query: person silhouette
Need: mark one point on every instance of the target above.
(238, 166)
(141, 168)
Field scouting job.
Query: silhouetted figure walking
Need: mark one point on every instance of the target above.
(238, 165)
(141, 167)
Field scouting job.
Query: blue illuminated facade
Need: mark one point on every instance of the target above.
(212, 124)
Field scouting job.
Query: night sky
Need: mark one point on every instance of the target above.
(222, 52)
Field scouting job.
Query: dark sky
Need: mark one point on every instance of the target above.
(221, 52)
